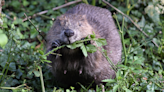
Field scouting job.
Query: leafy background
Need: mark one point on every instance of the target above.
(22, 49)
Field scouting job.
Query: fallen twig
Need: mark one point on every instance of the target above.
(35, 28)
(8, 16)
(130, 20)
(56, 8)
(31, 22)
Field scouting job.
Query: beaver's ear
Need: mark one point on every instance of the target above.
(62, 17)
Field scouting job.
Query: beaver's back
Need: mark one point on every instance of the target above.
(103, 24)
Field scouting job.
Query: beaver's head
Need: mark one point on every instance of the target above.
(67, 29)
(72, 28)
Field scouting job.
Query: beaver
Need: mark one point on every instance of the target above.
(72, 67)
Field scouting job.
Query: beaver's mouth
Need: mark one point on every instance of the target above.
(67, 51)
(60, 42)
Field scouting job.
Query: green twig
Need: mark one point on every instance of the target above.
(122, 37)
(41, 79)
(129, 48)
(158, 85)
(128, 12)
(18, 87)
(6, 66)
(50, 52)
(31, 22)
(108, 59)
(85, 1)
(127, 3)
(80, 41)
(54, 50)
(93, 2)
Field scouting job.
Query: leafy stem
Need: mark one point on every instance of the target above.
(122, 37)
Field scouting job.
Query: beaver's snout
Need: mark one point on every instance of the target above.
(68, 32)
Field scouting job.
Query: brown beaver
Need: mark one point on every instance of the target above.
(72, 67)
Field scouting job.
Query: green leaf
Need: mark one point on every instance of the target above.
(72, 88)
(48, 61)
(92, 35)
(68, 90)
(142, 22)
(101, 42)
(115, 88)
(74, 45)
(30, 72)
(79, 45)
(123, 67)
(82, 86)
(153, 13)
(19, 34)
(126, 89)
(25, 3)
(1, 31)
(44, 57)
(137, 71)
(118, 74)
(41, 52)
(33, 33)
(71, 46)
(109, 80)
(18, 74)
(30, 75)
(17, 21)
(12, 66)
(14, 82)
(37, 74)
(15, 90)
(91, 48)
(84, 50)
(23, 90)
(16, 4)
(12, 26)
(3, 40)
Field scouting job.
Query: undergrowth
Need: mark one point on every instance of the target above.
(23, 61)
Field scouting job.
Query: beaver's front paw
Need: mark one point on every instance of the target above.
(56, 43)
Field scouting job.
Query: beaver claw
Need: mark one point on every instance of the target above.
(56, 43)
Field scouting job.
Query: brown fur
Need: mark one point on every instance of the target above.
(72, 66)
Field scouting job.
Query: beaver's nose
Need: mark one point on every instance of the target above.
(68, 32)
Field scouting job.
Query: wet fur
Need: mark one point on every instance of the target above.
(72, 66)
